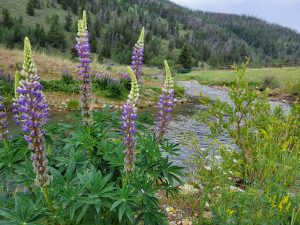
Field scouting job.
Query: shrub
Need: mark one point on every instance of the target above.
(125, 81)
(115, 91)
(110, 87)
(60, 85)
(66, 77)
(256, 180)
(269, 82)
(73, 104)
(179, 91)
(296, 89)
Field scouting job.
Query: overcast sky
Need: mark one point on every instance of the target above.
(283, 12)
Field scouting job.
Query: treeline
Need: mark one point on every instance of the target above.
(13, 31)
(186, 38)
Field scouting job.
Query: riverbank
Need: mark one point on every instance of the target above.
(283, 83)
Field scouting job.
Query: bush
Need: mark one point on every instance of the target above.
(115, 91)
(269, 82)
(66, 77)
(183, 70)
(73, 104)
(179, 91)
(125, 80)
(59, 85)
(256, 180)
(110, 87)
(296, 89)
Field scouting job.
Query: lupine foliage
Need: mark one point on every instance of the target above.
(82, 172)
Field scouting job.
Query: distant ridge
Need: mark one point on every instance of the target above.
(214, 38)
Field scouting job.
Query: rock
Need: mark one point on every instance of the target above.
(186, 222)
(206, 214)
(207, 206)
(207, 168)
(170, 209)
(233, 188)
(188, 189)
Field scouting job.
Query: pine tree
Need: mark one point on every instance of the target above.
(56, 37)
(97, 28)
(68, 24)
(7, 19)
(74, 6)
(30, 8)
(39, 35)
(185, 58)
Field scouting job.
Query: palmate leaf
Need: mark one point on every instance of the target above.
(125, 202)
(149, 149)
(12, 154)
(26, 175)
(151, 216)
(146, 190)
(25, 212)
(170, 148)
(96, 184)
(170, 172)
(112, 153)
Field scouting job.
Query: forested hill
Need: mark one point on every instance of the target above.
(114, 25)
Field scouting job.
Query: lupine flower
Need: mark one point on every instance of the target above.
(15, 105)
(3, 122)
(138, 56)
(124, 76)
(83, 48)
(33, 108)
(165, 105)
(128, 118)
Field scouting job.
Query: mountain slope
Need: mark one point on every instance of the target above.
(114, 26)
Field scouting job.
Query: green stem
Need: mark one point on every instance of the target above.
(6, 144)
(48, 198)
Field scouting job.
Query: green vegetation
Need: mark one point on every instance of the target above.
(283, 79)
(258, 183)
(73, 104)
(89, 188)
(179, 91)
(185, 59)
(169, 28)
(60, 85)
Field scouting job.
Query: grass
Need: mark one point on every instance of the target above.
(216, 77)
(286, 77)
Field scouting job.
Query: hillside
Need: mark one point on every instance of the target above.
(215, 38)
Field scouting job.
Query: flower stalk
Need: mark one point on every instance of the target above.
(33, 109)
(83, 49)
(165, 105)
(138, 56)
(128, 119)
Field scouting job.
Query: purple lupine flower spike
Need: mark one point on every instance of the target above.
(128, 118)
(138, 56)
(165, 105)
(3, 122)
(83, 48)
(33, 109)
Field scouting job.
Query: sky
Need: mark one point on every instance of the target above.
(283, 12)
